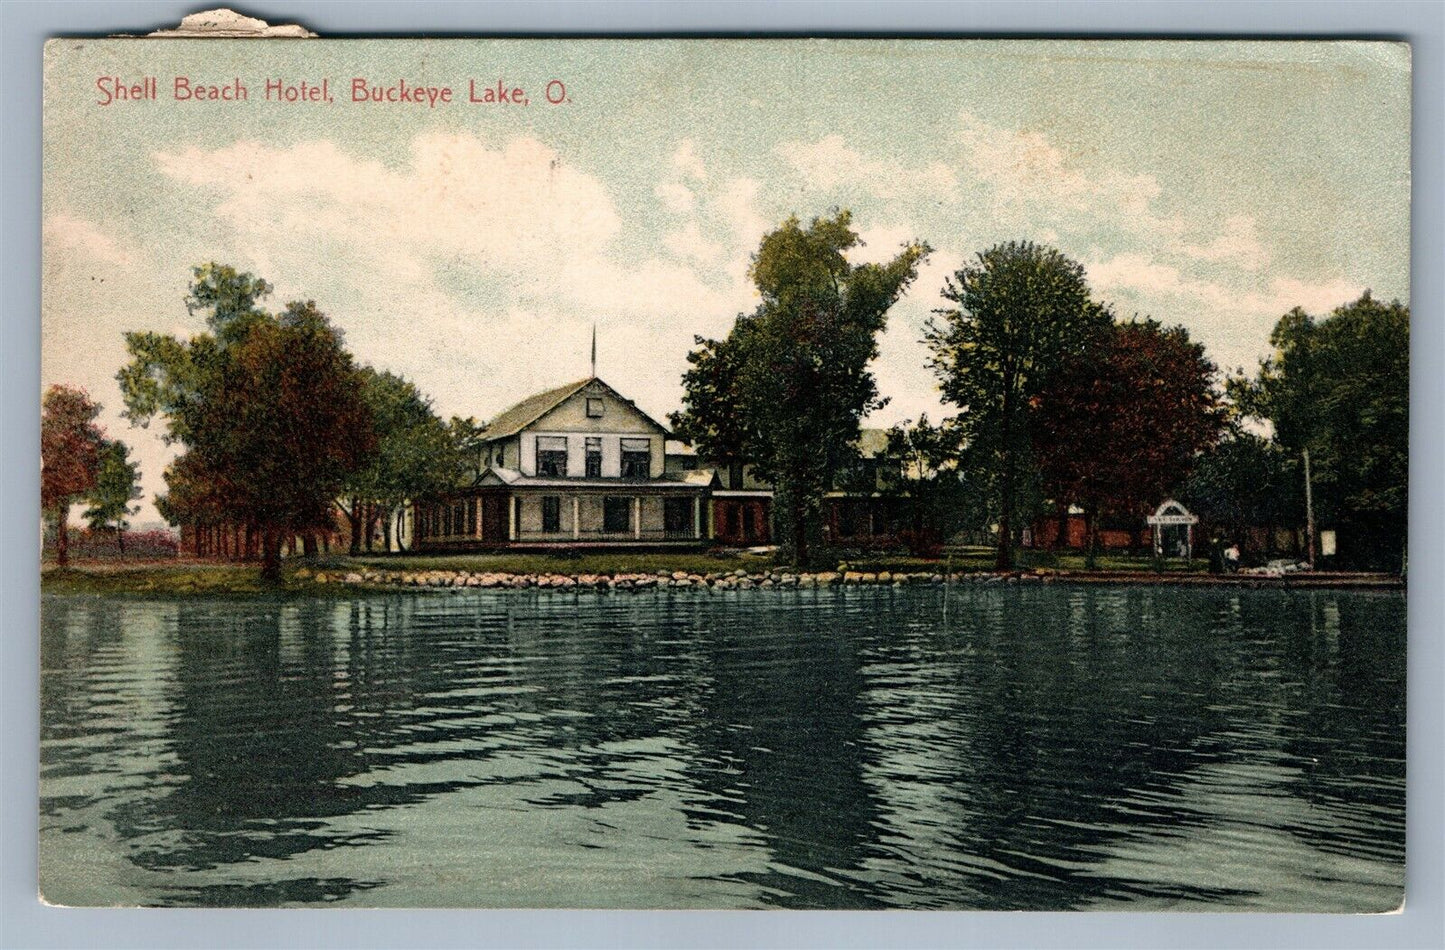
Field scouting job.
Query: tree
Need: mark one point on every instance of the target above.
(1339, 388)
(70, 457)
(116, 486)
(1244, 482)
(416, 454)
(1120, 426)
(785, 390)
(269, 408)
(922, 459)
(1019, 312)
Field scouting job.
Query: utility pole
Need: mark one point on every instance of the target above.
(1309, 515)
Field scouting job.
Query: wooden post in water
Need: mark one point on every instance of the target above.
(947, 583)
(1309, 515)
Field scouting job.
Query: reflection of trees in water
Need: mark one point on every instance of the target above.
(1025, 744)
(103, 678)
(72, 632)
(608, 689)
(780, 743)
(878, 758)
(1092, 712)
(1348, 653)
(270, 718)
(1087, 710)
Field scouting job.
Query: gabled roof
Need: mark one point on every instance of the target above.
(529, 410)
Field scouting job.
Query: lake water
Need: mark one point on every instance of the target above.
(1040, 747)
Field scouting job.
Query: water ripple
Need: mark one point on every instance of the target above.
(1043, 748)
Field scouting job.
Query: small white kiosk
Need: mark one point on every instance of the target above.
(1167, 519)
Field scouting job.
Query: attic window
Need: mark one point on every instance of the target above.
(594, 408)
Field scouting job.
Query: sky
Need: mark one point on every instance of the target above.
(472, 247)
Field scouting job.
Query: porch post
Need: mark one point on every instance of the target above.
(697, 516)
(576, 517)
(637, 517)
(512, 517)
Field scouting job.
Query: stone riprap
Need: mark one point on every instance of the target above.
(656, 580)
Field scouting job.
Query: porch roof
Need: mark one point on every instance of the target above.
(511, 478)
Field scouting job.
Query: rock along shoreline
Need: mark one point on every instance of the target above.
(639, 581)
(808, 580)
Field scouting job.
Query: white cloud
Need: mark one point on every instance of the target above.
(1029, 176)
(475, 268)
(830, 164)
(737, 205)
(1233, 322)
(97, 287)
(64, 233)
(1238, 244)
(677, 197)
(689, 243)
(515, 206)
(881, 242)
(686, 160)
(1141, 274)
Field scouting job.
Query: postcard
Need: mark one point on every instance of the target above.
(723, 473)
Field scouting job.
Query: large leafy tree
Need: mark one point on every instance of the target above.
(1121, 425)
(1246, 481)
(1017, 313)
(269, 408)
(416, 454)
(785, 390)
(71, 448)
(921, 460)
(1339, 387)
(116, 486)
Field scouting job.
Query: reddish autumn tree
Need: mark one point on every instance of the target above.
(268, 406)
(1121, 426)
(70, 453)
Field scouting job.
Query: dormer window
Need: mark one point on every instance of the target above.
(552, 455)
(594, 408)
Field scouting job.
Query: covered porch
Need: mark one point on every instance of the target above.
(611, 515)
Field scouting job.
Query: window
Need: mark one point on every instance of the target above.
(552, 455)
(594, 408)
(594, 457)
(636, 458)
(750, 525)
(446, 520)
(551, 514)
(677, 516)
(616, 515)
(471, 516)
(735, 475)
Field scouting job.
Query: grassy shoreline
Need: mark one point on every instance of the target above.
(207, 578)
